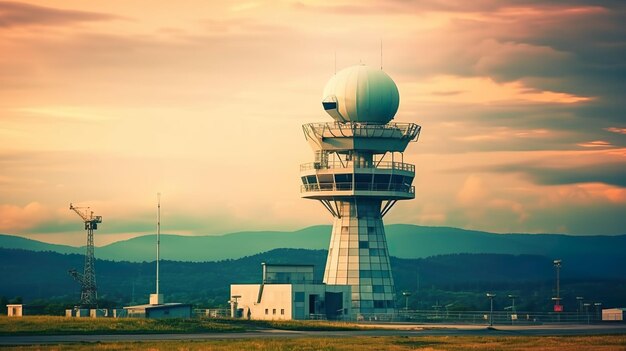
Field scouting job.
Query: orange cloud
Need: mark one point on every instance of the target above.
(20, 218)
(616, 130)
(596, 143)
(482, 90)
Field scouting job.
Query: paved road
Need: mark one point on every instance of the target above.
(385, 330)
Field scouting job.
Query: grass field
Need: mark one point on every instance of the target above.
(431, 343)
(49, 325)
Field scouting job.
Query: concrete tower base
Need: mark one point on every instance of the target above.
(358, 256)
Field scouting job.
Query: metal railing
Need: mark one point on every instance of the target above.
(211, 312)
(403, 188)
(482, 317)
(362, 130)
(351, 165)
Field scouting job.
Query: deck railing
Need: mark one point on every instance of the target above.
(403, 188)
(362, 130)
(349, 164)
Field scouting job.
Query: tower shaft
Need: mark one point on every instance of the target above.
(358, 256)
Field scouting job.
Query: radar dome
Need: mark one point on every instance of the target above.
(361, 94)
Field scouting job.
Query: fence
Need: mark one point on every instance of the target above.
(482, 317)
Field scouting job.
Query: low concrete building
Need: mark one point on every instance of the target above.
(613, 314)
(15, 310)
(289, 292)
(167, 310)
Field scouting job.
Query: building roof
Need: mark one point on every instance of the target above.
(165, 305)
(287, 264)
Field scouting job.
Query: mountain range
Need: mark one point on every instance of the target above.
(41, 278)
(404, 241)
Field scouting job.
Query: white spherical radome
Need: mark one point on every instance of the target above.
(361, 94)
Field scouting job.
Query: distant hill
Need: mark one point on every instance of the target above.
(211, 248)
(18, 242)
(445, 278)
(405, 241)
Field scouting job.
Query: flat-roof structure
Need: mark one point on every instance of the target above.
(166, 310)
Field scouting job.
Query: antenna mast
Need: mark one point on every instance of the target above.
(158, 240)
(381, 54)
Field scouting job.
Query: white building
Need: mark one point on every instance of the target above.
(289, 292)
(15, 310)
(613, 314)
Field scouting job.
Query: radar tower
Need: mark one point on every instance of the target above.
(358, 175)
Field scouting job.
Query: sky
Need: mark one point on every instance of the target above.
(106, 103)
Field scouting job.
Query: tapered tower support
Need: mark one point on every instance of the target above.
(358, 256)
(358, 175)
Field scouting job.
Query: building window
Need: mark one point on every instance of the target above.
(299, 296)
(274, 311)
(282, 311)
(267, 311)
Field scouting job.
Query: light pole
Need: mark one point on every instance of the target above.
(586, 304)
(580, 306)
(512, 297)
(406, 295)
(598, 312)
(580, 303)
(557, 299)
(491, 296)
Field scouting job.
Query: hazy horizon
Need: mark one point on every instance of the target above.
(78, 239)
(104, 104)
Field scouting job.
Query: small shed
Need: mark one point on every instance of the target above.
(15, 310)
(613, 314)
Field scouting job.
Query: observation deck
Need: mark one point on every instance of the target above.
(336, 179)
(376, 138)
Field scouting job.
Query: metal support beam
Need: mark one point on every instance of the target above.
(388, 205)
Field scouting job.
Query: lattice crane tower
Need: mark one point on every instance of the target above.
(358, 175)
(87, 280)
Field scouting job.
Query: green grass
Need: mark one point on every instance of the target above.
(49, 325)
(395, 343)
(294, 325)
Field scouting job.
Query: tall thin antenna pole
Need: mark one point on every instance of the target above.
(381, 54)
(158, 240)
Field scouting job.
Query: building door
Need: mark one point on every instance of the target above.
(313, 303)
(334, 305)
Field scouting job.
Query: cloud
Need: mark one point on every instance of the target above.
(616, 130)
(546, 174)
(19, 218)
(16, 14)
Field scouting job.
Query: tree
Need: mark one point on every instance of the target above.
(3, 304)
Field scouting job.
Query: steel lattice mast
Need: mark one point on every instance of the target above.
(87, 280)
